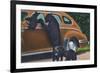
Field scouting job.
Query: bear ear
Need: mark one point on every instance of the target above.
(27, 18)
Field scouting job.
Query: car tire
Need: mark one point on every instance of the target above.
(71, 55)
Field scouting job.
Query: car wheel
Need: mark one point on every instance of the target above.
(71, 50)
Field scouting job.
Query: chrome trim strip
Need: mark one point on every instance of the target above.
(83, 41)
(34, 53)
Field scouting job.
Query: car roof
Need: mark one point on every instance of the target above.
(60, 13)
(56, 12)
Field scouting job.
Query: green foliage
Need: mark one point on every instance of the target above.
(85, 49)
(83, 20)
(23, 15)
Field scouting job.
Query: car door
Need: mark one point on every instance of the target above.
(35, 40)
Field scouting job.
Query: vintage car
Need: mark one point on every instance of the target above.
(37, 41)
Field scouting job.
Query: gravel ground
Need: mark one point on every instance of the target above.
(83, 56)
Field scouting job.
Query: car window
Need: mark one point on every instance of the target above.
(41, 16)
(57, 18)
(67, 20)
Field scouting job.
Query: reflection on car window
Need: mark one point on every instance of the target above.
(67, 20)
(41, 16)
(58, 19)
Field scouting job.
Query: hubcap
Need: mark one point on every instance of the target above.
(72, 46)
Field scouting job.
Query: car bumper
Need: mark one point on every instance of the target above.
(83, 41)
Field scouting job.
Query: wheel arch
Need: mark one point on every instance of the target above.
(75, 36)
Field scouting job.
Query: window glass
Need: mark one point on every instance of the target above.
(67, 20)
(41, 16)
(58, 19)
